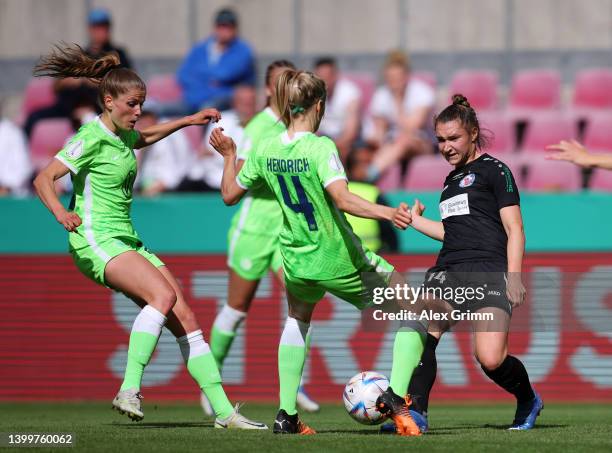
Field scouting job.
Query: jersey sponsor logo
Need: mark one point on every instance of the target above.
(457, 205)
(335, 164)
(287, 165)
(468, 180)
(74, 150)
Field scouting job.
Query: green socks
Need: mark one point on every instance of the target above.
(224, 331)
(292, 353)
(407, 350)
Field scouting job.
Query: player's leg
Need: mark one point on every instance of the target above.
(292, 353)
(133, 274)
(199, 360)
(507, 371)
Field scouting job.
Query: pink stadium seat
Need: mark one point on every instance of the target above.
(548, 175)
(48, 137)
(535, 89)
(426, 76)
(164, 88)
(38, 94)
(480, 87)
(598, 134)
(499, 128)
(427, 173)
(390, 180)
(546, 129)
(601, 180)
(593, 89)
(366, 84)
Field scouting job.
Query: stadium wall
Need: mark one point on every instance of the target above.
(63, 337)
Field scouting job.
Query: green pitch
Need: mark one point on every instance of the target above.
(183, 428)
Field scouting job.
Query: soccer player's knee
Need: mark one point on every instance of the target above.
(490, 361)
(165, 300)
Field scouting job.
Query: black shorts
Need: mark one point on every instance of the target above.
(469, 286)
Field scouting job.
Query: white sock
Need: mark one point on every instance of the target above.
(193, 345)
(149, 320)
(229, 319)
(295, 332)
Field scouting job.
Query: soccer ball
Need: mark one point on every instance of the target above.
(360, 396)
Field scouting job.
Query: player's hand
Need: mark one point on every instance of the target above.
(570, 151)
(401, 217)
(70, 220)
(222, 143)
(515, 290)
(417, 208)
(204, 117)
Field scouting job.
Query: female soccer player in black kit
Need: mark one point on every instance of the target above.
(482, 249)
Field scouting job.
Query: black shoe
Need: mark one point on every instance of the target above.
(290, 424)
(397, 408)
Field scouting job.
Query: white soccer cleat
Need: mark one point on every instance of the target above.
(305, 402)
(128, 402)
(238, 421)
(206, 406)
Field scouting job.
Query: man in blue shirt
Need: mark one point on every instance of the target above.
(216, 65)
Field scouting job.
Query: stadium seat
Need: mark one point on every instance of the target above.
(532, 92)
(48, 137)
(593, 89)
(391, 179)
(480, 88)
(427, 173)
(164, 88)
(426, 76)
(366, 84)
(601, 180)
(598, 134)
(37, 95)
(498, 127)
(546, 129)
(547, 175)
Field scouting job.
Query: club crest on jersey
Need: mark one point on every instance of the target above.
(74, 150)
(468, 180)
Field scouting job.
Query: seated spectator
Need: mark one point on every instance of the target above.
(72, 93)
(163, 165)
(378, 236)
(214, 67)
(399, 120)
(207, 170)
(341, 120)
(15, 166)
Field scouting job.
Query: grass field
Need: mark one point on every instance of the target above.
(182, 428)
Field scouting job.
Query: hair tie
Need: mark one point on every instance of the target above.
(297, 109)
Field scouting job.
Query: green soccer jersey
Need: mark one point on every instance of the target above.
(259, 213)
(103, 167)
(316, 240)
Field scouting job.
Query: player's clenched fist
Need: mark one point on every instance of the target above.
(222, 143)
(70, 220)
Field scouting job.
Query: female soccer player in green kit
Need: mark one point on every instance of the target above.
(253, 243)
(103, 242)
(319, 250)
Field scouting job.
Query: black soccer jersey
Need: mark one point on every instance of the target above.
(469, 207)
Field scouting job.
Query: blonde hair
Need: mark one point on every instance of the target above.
(296, 93)
(72, 61)
(397, 58)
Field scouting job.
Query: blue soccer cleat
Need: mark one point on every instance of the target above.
(526, 414)
(419, 419)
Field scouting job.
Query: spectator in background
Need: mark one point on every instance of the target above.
(77, 97)
(163, 165)
(341, 120)
(206, 171)
(15, 166)
(216, 66)
(398, 121)
(376, 235)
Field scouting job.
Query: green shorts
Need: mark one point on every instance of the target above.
(356, 288)
(92, 260)
(251, 255)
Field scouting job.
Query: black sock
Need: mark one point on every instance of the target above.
(424, 376)
(512, 376)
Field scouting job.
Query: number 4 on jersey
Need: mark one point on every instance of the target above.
(303, 206)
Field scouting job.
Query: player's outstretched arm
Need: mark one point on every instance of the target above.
(428, 227)
(156, 132)
(44, 184)
(353, 204)
(572, 151)
(231, 192)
